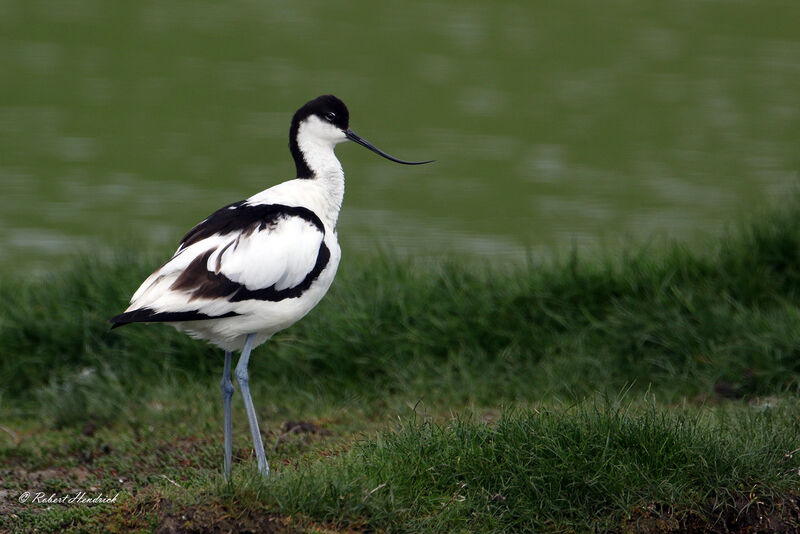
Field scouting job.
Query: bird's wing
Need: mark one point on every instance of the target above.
(242, 252)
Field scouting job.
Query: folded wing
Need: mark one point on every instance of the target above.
(243, 252)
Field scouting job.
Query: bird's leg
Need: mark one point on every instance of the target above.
(242, 379)
(227, 395)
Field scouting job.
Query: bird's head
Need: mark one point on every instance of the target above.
(323, 123)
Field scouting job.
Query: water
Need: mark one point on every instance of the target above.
(555, 125)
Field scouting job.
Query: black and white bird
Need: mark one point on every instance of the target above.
(258, 265)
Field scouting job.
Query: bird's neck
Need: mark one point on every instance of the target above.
(331, 186)
(314, 158)
(316, 161)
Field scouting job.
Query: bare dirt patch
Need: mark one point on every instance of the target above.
(215, 518)
(781, 515)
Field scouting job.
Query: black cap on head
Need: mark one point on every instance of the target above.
(326, 107)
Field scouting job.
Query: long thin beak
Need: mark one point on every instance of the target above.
(353, 137)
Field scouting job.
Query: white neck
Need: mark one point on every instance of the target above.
(318, 153)
(317, 150)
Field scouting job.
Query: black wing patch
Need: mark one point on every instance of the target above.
(146, 315)
(247, 218)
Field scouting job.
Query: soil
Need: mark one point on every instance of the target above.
(217, 519)
(781, 515)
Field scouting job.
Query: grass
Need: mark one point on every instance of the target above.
(584, 468)
(506, 383)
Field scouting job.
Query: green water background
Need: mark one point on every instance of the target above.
(554, 124)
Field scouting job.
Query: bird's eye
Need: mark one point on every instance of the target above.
(330, 116)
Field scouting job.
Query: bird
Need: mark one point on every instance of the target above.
(257, 266)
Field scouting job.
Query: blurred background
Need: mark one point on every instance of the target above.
(554, 124)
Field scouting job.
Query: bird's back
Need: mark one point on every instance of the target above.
(254, 266)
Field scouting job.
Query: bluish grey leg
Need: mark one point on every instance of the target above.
(244, 388)
(227, 395)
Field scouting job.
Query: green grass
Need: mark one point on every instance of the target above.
(583, 468)
(709, 339)
(670, 317)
